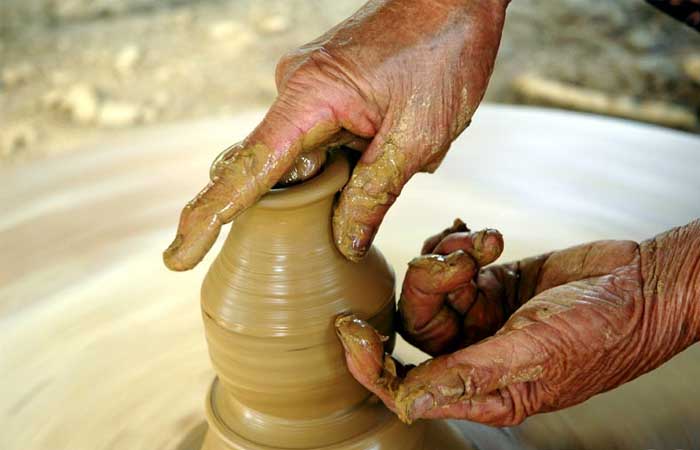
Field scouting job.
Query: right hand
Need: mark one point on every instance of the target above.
(537, 335)
(400, 80)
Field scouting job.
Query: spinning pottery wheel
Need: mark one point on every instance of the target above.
(102, 348)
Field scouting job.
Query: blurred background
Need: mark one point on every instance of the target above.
(72, 71)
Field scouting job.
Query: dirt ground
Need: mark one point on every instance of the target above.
(73, 70)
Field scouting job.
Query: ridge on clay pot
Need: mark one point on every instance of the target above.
(268, 304)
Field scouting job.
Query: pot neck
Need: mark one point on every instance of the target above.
(295, 220)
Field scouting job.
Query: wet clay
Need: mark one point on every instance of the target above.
(238, 177)
(305, 166)
(371, 190)
(268, 305)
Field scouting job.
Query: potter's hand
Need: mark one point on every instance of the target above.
(399, 79)
(577, 322)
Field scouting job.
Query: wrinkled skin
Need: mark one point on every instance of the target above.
(371, 83)
(562, 327)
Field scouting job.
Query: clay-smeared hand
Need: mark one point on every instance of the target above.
(571, 324)
(400, 80)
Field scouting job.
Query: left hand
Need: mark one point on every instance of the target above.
(570, 324)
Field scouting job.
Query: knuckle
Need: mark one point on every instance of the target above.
(283, 67)
(514, 406)
(524, 399)
(298, 72)
(323, 68)
(324, 61)
(286, 59)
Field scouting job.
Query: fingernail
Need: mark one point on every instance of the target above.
(359, 241)
(342, 324)
(346, 327)
(416, 408)
(355, 334)
(488, 246)
(458, 226)
(343, 321)
(351, 238)
(421, 405)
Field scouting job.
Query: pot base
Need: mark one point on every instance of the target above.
(387, 433)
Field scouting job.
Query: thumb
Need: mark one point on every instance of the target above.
(376, 181)
(493, 382)
(245, 172)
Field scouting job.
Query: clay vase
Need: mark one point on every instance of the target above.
(268, 303)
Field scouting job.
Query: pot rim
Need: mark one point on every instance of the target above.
(329, 181)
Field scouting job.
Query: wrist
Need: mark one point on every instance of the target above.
(671, 282)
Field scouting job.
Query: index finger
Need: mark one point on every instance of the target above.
(244, 173)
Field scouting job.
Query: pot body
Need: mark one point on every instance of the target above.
(268, 305)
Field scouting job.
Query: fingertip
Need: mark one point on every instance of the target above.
(352, 237)
(171, 256)
(458, 225)
(485, 246)
(343, 320)
(356, 219)
(491, 246)
(363, 346)
(182, 258)
(190, 245)
(345, 324)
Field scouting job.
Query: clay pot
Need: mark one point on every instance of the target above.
(268, 303)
